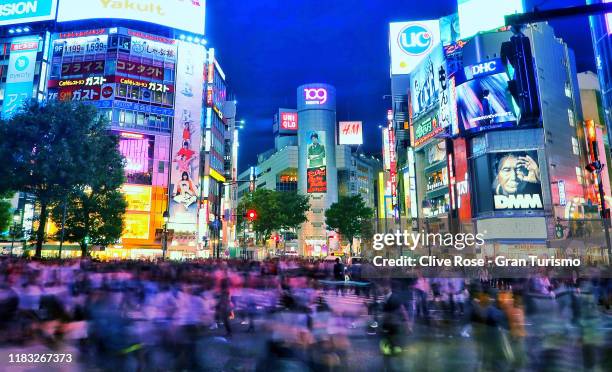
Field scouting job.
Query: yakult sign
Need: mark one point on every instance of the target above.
(409, 42)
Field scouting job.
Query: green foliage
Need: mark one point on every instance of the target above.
(5, 215)
(95, 213)
(293, 208)
(349, 217)
(52, 153)
(276, 210)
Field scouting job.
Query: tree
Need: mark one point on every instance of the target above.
(94, 213)
(347, 217)
(292, 209)
(48, 153)
(266, 204)
(6, 217)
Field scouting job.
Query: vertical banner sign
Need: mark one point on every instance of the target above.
(20, 75)
(463, 199)
(392, 159)
(386, 149)
(187, 138)
(316, 163)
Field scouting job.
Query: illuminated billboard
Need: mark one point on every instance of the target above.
(25, 11)
(186, 15)
(516, 180)
(472, 13)
(288, 121)
(316, 163)
(426, 80)
(425, 129)
(350, 133)
(608, 19)
(20, 75)
(317, 97)
(410, 43)
(485, 103)
(187, 138)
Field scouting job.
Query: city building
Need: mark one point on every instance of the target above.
(468, 125)
(601, 33)
(336, 166)
(166, 97)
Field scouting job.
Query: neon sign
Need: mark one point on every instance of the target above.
(315, 96)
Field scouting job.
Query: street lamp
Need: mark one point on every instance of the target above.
(16, 221)
(166, 216)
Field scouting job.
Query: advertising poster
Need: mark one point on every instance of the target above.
(350, 133)
(180, 14)
(187, 137)
(516, 180)
(386, 149)
(426, 80)
(485, 103)
(410, 42)
(20, 75)
(316, 163)
(20, 11)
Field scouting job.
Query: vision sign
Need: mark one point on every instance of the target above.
(13, 12)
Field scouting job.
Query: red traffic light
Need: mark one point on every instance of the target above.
(251, 215)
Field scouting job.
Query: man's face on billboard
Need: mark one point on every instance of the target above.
(315, 140)
(507, 175)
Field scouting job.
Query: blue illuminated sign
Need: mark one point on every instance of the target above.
(415, 40)
(22, 11)
(491, 67)
(144, 108)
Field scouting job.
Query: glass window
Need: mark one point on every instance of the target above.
(157, 97)
(570, 114)
(140, 119)
(134, 93)
(579, 176)
(129, 117)
(122, 90)
(575, 146)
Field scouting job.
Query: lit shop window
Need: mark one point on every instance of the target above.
(570, 114)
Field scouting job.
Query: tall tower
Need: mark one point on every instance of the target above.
(317, 172)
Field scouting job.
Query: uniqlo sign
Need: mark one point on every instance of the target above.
(289, 121)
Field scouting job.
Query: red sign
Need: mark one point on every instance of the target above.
(140, 69)
(317, 180)
(67, 35)
(462, 180)
(79, 94)
(288, 121)
(83, 68)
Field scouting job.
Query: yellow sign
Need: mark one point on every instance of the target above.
(216, 175)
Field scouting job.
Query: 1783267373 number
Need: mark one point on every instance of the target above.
(18, 358)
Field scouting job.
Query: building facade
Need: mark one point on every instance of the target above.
(165, 96)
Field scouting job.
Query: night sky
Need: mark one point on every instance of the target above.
(267, 48)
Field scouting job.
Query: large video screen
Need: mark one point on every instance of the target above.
(485, 103)
(516, 180)
(180, 14)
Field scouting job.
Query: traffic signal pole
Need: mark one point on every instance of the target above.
(547, 15)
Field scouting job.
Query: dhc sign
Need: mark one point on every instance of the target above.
(494, 66)
(24, 11)
(415, 40)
